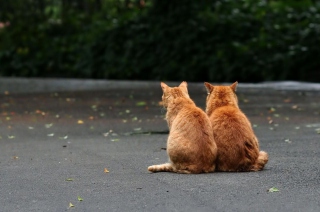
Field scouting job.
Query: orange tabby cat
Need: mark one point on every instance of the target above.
(190, 145)
(238, 147)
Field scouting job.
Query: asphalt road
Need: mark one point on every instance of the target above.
(89, 147)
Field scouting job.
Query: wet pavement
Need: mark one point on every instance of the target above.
(84, 145)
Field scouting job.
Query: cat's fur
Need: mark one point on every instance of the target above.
(238, 147)
(190, 145)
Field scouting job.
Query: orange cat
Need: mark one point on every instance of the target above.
(190, 145)
(238, 147)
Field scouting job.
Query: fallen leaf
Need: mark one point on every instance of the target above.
(69, 179)
(137, 129)
(318, 130)
(127, 111)
(48, 125)
(106, 170)
(80, 122)
(288, 141)
(15, 157)
(272, 109)
(80, 199)
(30, 128)
(65, 137)
(11, 136)
(142, 103)
(50, 135)
(287, 100)
(115, 140)
(273, 189)
(71, 205)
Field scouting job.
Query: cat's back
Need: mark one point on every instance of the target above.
(231, 117)
(194, 115)
(192, 123)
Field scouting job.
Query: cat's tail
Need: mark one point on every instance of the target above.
(166, 167)
(261, 161)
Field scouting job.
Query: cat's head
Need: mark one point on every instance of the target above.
(219, 96)
(171, 93)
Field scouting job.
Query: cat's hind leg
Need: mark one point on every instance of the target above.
(261, 161)
(166, 167)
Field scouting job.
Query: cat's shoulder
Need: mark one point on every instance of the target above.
(229, 111)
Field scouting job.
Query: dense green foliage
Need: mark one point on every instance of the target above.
(245, 40)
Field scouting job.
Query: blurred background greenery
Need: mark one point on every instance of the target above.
(194, 40)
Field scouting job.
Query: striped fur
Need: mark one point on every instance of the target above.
(190, 144)
(238, 147)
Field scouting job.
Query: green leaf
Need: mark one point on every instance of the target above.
(273, 189)
(65, 137)
(48, 125)
(115, 140)
(142, 103)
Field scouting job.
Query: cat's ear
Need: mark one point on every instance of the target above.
(234, 86)
(163, 86)
(184, 86)
(209, 87)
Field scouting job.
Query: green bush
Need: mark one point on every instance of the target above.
(245, 40)
(220, 41)
(55, 40)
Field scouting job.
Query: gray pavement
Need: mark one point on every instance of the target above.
(92, 140)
